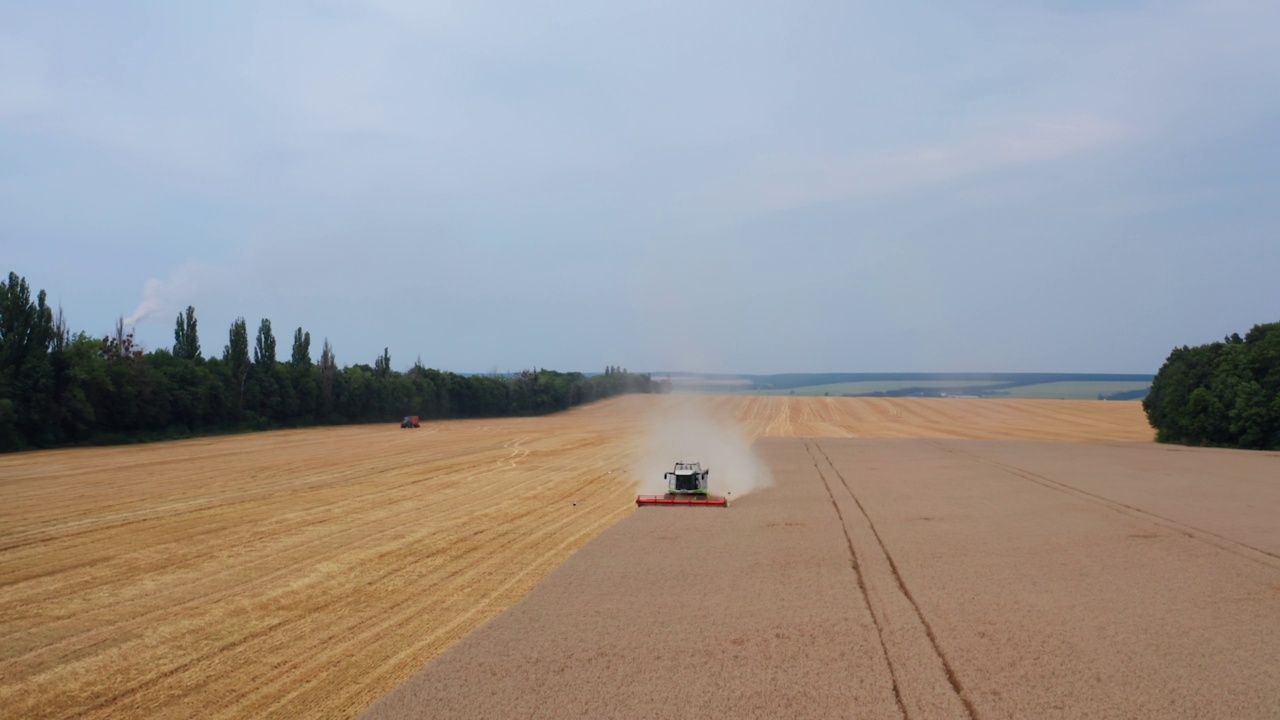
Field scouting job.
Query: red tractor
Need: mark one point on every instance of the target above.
(409, 421)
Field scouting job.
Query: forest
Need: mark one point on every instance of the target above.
(63, 388)
(1223, 394)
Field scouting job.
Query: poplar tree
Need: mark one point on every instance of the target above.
(328, 371)
(61, 333)
(264, 347)
(186, 339)
(382, 364)
(27, 408)
(236, 354)
(301, 357)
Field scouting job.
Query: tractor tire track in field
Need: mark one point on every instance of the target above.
(862, 585)
(1208, 537)
(926, 683)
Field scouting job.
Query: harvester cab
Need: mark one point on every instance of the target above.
(686, 485)
(687, 479)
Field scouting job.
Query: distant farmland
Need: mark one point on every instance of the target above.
(1043, 386)
(1082, 390)
(866, 387)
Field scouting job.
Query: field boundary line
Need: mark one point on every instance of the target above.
(444, 631)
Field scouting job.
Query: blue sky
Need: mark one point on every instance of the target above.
(719, 186)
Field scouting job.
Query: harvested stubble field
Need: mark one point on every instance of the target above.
(311, 572)
(297, 573)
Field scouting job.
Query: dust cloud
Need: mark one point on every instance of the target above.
(684, 429)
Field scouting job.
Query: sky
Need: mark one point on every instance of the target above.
(1000, 186)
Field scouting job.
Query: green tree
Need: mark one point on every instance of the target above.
(301, 356)
(186, 338)
(28, 410)
(1223, 393)
(86, 391)
(382, 364)
(61, 333)
(236, 355)
(299, 384)
(264, 346)
(58, 387)
(328, 376)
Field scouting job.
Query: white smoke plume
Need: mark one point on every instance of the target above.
(686, 429)
(166, 298)
(152, 303)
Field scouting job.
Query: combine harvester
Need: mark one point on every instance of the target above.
(686, 485)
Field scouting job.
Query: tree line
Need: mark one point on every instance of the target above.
(1224, 394)
(60, 388)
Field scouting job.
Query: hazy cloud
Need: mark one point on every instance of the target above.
(756, 187)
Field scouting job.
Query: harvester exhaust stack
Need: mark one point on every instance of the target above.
(686, 485)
